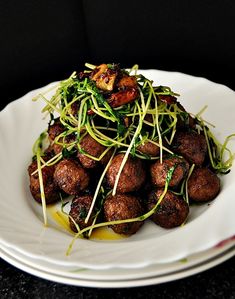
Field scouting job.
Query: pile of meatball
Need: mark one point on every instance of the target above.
(140, 184)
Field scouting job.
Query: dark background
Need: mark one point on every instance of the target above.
(43, 41)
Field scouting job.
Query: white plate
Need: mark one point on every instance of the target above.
(116, 278)
(21, 225)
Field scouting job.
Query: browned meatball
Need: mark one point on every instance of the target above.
(203, 185)
(160, 170)
(121, 207)
(79, 209)
(55, 130)
(74, 109)
(132, 175)
(70, 176)
(186, 120)
(149, 118)
(171, 212)
(93, 148)
(50, 188)
(191, 146)
(168, 99)
(69, 139)
(149, 148)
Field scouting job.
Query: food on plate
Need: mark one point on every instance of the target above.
(51, 189)
(94, 149)
(121, 207)
(57, 130)
(123, 151)
(149, 149)
(191, 145)
(203, 185)
(79, 209)
(132, 176)
(159, 171)
(70, 176)
(172, 211)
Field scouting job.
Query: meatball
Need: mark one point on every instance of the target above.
(171, 212)
(50, 188)
(121, 207)
(66, 141)
(55, 130)
(74, 109)
(203, 185)
(185, 120)
(168, 99)
(93, 148)
(70, 176)
(149, 149)
(191, 146)
(132, 175)
(79, 209)
(160, 170)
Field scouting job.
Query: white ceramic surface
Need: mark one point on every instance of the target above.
(119, 277)
(21, 225)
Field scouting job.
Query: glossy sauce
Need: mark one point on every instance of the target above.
(101, 233)
(60, 219)
(105, 233)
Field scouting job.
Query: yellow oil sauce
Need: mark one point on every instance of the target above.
(105, 233)
(101, 233)
(59, 218)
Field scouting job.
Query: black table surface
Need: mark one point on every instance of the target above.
(217, 282)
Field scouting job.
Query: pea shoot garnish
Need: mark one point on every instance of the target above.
(111, 132)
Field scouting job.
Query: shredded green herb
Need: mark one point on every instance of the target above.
(154, 117)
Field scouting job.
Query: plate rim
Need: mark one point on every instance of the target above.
(42, 88)
(175, 275)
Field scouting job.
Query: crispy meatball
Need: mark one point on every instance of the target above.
(159, 171)
(203, 185)
(93, 148)
(121, 207)
(50, 188)
(55, 130)
(185, 120)
(132, 175)
(74, 109)
(171, 212)
(168, 99)
(70, 176)
(149, 118)
(149, 148)
(66, 141)
(191, 146)
(79, 209)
